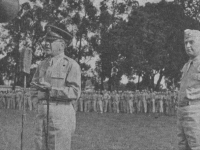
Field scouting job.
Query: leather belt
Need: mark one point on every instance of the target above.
(188, 103)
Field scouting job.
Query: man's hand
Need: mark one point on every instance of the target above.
(46, 85)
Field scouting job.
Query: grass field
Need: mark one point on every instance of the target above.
(98, 131)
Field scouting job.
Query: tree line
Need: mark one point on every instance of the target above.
(129, 39)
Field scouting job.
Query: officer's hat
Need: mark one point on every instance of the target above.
(188, 33)
(54, 32)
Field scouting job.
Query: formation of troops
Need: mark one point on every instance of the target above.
(102, 102)
(18, 99)
(128, 102)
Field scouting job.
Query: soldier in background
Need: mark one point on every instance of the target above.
(1, 100)
(80, 104)
(34, 99)
(19, 98)
(4, 99)
(161, 98)
(144, 101)
(100, 102)
(28, 100)
(8, 97)
(86, 102)
(130, 102)
(105, 101)
(111, 102)
(153, 102)
(116, 101)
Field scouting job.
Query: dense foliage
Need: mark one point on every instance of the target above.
(129, 39)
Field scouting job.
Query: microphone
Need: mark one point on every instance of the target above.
(25, 60)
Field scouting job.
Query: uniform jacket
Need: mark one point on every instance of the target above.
(190, 81)
(64, 75)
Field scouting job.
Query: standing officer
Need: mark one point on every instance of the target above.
(58, 79)
(188, 113)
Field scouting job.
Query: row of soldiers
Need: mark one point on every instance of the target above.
(102, 102)
(128, 102)
(13, 99)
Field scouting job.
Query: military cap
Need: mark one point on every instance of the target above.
(54, 32)
(188, 33)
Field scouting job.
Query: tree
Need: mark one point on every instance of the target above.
(30, 26)
(154, 41)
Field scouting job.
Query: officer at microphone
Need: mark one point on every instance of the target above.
(57, 79)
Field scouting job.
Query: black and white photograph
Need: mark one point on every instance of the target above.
(99, 74)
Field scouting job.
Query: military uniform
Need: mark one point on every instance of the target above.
(105, 101)
(116, 102)
(152, 98)
(19, 98)
(64, 76)
(100, 102)
(189, 98)
(130, 102)
(81, 103)
(95, 98)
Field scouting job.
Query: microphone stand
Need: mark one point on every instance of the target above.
(24, 112)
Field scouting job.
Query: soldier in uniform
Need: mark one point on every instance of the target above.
(1, 99)
(19, 98)
(87, 102)
(34, 99)
(100, 102)
(4, 99)
(110, 102)
(144, 101)
(95, 99)
(130, 102)
(105, 101)
(116, 101)
(188, 113)
(81, 102)
(28, 101)
(58, 80)
(153, 102)
(8, 97)
(161, 102)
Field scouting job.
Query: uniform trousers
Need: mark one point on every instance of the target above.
(94, 103)
(105, 105)
(61, 126)
(188, 121)
(130, 106)
(144, 101)
(100, 106)
(161, 110)
(153, 106)
(80, 104)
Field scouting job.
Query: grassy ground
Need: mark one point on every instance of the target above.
(98, 131)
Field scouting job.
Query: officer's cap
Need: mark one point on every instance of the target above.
(188, 33)
(54, 32)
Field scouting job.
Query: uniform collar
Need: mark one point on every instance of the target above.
(57, 58)
(195, 60)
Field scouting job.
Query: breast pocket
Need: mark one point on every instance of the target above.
(58, 79)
